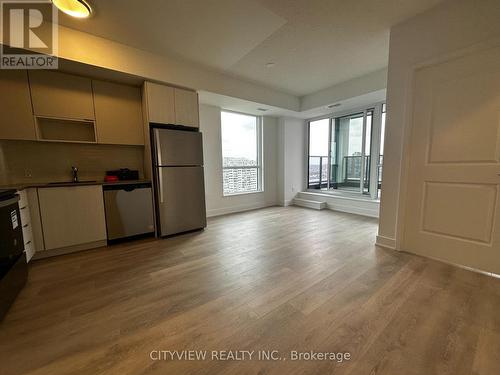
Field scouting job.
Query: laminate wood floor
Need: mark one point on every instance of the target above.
(284, 279)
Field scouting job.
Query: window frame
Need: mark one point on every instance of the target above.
(308, 157)
(376, 109)
(260, 157)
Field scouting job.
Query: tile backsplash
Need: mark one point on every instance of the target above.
(34, 162)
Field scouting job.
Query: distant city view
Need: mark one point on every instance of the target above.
(350, 168)
(237, 180)
(240, 144)
(314, 169)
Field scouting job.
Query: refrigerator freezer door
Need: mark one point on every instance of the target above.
(177, 147)
(181, 199)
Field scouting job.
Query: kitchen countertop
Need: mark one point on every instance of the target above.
(28, 185)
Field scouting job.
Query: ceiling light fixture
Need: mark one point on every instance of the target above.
(270, 65)
(262, 109)
(74, 8)
(334, 105)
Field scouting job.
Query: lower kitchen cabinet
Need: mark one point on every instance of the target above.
(24, 211)
(72, 216)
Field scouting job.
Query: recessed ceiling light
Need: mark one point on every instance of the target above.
(74, 8)
(270, 65)
(262, 109)
(334, 105)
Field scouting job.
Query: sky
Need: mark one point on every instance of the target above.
(318, 141)
(239, 133)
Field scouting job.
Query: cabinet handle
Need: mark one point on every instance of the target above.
(27, 243)
(25, 225)
(23, 208)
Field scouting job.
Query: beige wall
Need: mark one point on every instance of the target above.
(52, 161)
(217, 204)
(444, 30)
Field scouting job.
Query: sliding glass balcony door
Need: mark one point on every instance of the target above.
(350, 148)
(318, 154)
(346, 150)
(344, 153)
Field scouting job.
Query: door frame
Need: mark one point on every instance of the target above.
(408, 128)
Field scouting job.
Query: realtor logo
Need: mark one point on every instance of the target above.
(29, 35)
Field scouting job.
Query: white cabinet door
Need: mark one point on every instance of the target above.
(72, 215)
(186, 108)
(169, 105)
(118, 113)
(61, 95)
(159, 100)
(25, 214)
(453, 207)
(15, 106)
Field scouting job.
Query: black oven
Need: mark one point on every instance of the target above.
(13, 266)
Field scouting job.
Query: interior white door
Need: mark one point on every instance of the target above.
(453, 207)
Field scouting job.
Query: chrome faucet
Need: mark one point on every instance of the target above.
(74, 171)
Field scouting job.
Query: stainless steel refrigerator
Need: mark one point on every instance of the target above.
(179, 182)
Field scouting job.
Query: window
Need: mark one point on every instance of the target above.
(318, 153)
(241, 153)
(381, 152)
(344, 152)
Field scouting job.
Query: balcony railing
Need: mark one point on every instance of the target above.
(318, 172)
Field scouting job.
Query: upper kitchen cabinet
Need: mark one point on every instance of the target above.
(186, 108)
(15, 106)
(118, 113)
(60, 95)
(159, 103)
(169, 105)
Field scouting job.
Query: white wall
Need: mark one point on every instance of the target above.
(292, 158)
(340, 92)
(217, 204)
(446, 29)
(94, 51)
(104, 53)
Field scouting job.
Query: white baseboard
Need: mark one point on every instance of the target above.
(387, 242)
(472, 269)
(286, 203)
(240, 208)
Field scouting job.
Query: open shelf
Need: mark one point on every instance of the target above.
(65, 130)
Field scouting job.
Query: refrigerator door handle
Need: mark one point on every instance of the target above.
(158, 147)
(160, 184)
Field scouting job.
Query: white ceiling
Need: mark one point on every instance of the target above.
(259, 109)
(314, 44)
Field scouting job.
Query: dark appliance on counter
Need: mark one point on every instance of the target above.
(129, 210)
(124, 174)
(13, 265)
(179, 182)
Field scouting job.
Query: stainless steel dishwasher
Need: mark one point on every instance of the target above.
(129, 210)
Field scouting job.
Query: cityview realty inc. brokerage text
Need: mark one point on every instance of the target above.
(247, 355)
